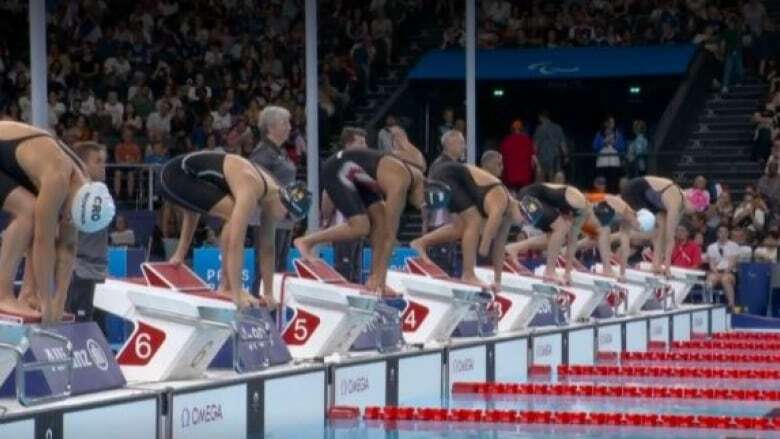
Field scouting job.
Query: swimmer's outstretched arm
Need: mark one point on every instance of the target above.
(571, 245)
(267, 253)
(245, 203)
(499, 250)
(51, 196)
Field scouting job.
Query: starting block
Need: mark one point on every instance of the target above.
(642, 286)
(585, 298)
(521, 297)
(17, 338)
(432, 306)
(682, 281)
(322, 315)
(481, 319)
(181, 324)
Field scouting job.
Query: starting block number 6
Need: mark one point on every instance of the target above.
(144, 343)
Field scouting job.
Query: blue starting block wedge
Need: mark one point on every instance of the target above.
(42, 364)
(255, 344)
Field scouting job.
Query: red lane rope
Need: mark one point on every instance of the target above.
(712, 357)
(489, 390)
(668, 372)
(496, 416)
(765, 336)
(726, 345)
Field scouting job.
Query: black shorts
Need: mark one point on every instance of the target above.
(349, 198)
(640, 195)
(188, 191)
(8, 184)
(548, 216)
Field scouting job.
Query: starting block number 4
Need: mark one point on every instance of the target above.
(142, 346)
(413, 317)
(301, 328)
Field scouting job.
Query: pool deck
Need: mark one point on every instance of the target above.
(229, 405)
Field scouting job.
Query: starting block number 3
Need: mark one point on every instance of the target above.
(144, 343)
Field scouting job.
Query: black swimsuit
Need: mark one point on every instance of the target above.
(11, 173)
(465, 190)
(196, 181)
(639, 194)
(553, 202)
(350, 179)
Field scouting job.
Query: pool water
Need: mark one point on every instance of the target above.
(412, 430)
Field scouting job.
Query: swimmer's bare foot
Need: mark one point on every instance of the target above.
(30, 299)
(422, 251)
(268, 301)
(474, 280)
(307, 252)
(246, 300)
(11, 305)
(374, 285)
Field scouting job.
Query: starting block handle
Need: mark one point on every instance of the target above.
(192, 321)
(23, 368)
(545, 290)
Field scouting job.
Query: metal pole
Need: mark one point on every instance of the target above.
(38, 105)
(151, 187)
(312, 124)
(428, 128)
(471, 82)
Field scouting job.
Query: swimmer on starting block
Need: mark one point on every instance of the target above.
(663, 198)
(230, 187)
(559, 211)
(45, 188)
(484, 212)
(371, 189)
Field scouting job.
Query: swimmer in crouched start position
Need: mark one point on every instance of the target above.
(46, 190)
(371, 189)
(230, 187)
(559, 211)
(664, 199)
(484, 212)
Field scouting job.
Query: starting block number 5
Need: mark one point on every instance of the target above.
(144, 343)
(301, 328)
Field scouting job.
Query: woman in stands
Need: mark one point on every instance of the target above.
(230, 187)
(371, 189)
(559, 211)
(664, 199)
(46, 190)
(484, 211)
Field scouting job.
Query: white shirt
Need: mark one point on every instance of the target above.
(157, 121)
(719, 255)
(116, 111)
(221, 123)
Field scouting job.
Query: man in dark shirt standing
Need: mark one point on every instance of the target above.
(91, 262)
(453, 146)
(274, 124)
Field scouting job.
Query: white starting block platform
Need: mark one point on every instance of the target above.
(328, 312)
(435, 302)
(180, 324)
(270, 402)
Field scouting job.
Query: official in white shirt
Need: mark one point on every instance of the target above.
(722, 256)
